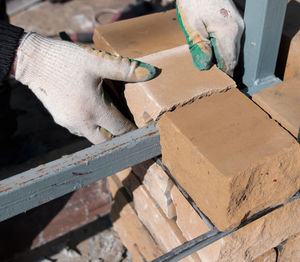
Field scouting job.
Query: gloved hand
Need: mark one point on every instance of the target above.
(67, 79)
(211, 24)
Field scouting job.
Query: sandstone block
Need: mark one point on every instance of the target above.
(164, 231)
(258, 237)
(292, 68)
(188, 220)
(179, 83)
(156, 39)
(156, 181)
(115, 181)
(158, 185)
(230, 157)
(289, 251)
(289, 54)
(270, 256)
(132, 232)
(140, 36)
(282, 102)
(254, 242)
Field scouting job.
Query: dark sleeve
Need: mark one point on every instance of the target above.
(9, 41)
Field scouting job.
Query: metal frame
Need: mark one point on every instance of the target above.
(52, 180)
(55, 179)
(263, 28)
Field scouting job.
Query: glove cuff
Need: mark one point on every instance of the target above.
(38, 58)
(27, 54)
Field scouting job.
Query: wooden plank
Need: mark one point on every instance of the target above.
(52, 180)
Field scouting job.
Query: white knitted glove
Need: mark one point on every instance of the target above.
(67, 79)
(211, 24)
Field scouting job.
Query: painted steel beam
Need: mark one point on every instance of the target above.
(54, 179)
(263, 28)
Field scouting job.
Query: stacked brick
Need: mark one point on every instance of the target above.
(234, 165)
(229, 155)
(288, 60)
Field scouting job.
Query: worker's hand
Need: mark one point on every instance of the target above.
(211, 24)
(67, 79)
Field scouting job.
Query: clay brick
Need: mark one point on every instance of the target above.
(158, 185)
(164, 231)
(192, 226)
(140, 36)
(230, 157)
(289, 54)
(258, 237)
(115, 181)
(156, 39)
(253, 242)
(292, 68)
(289, 251)
(270, 256)
(156, 181)
(188, 220)
(132, 232)
(179, 83)
(282, 102)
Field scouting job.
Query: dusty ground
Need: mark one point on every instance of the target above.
(82, 246)
(72, 16)
(39, 140)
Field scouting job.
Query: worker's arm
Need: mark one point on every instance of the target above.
(213, 28)
(67, 79)
(9, 41)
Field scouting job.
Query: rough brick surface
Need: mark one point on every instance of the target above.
(156, 39)
(149, 100)
(164, 231)
(234, 160)
(270, 256)
(187, 219)
(189, 222)
(289, 55)
(282, 102)
(292, 68)
(289, 251)
(158, 185)
(258, 237)
(140, 36)
(131, 231)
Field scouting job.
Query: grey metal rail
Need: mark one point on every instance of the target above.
(54, 179)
